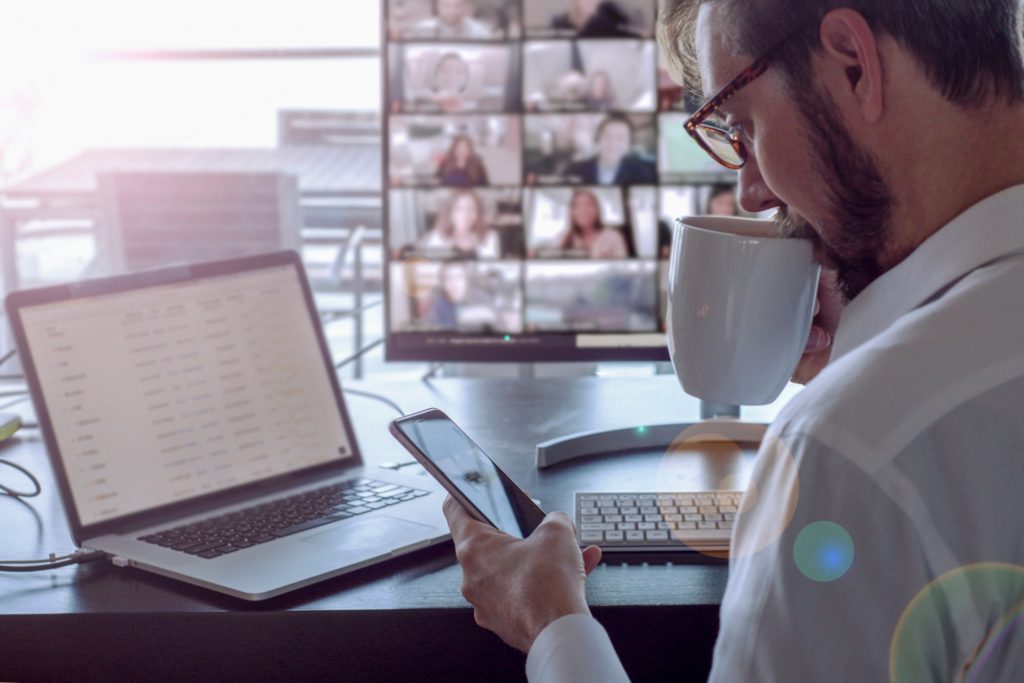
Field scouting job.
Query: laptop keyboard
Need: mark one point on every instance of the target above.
(234, 531)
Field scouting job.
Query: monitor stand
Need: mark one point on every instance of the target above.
(719, 422)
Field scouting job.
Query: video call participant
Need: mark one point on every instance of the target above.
(865, 137)
(452, 19)
(721, 202)
(449, 82)
(587, 233)
(452, 290)
(594, 19)
(462, 228)
(600, 95)
(614, 164)
(461, 167)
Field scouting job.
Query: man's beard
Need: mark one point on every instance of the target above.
(858, 232)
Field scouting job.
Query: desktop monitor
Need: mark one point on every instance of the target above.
(535, 161)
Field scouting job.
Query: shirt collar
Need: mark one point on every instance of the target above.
(990, 229)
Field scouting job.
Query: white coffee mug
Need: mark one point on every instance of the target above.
(741, 302)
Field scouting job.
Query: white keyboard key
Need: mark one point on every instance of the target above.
(589, 496)
(666, 525)
(694, 517)
(592, 536)
(591, 518)
(725, 525)
(608, 511)
(649, 510)
(687, 525)
(657, 535)
(588, 503)
(708, 509)
(597, 527)
(673, 518)
(613, 536)
(713, 518)
(727, 508)
(634, 536)
(729, 516)
(688, 509)
(652, 518)
(627, 526)
(669, 510)
(634, 518)
(627, 502)
(645, 526)
(630, 510)
(706, 525)
(613, 518)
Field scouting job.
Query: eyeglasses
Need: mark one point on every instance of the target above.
(717, 139)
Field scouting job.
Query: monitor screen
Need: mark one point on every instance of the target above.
(536, 161)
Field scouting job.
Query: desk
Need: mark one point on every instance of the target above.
(404, 620)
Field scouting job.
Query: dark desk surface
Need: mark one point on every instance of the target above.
(321, 170)
(403, 619)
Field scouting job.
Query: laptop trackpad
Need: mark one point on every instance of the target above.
(375, 532)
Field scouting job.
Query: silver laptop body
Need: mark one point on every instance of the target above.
(173, 397)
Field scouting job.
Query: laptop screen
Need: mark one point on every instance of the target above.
(168, 392)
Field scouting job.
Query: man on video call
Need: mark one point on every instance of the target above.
(614, 163)
(890, 134)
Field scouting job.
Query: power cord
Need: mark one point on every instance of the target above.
(7, 356)
(376, 397)
(11, 493)
(80, 556)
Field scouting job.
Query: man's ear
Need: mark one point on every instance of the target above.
(853, 61)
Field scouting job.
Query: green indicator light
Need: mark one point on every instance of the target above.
(641, 430)
(508, 338)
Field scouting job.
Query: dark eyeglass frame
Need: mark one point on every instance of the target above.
(699, 118)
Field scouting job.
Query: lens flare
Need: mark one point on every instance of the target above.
(823, 552)
(978, 609)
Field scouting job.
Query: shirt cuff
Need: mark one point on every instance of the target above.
(574, 648)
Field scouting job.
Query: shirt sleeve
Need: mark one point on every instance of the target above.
(574, 648)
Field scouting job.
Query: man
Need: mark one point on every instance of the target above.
(614, 163)
(889, 133)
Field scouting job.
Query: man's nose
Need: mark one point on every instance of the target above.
(754, 194)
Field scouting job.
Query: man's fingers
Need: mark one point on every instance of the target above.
(459, 521)
(819, 340)
(591, 558)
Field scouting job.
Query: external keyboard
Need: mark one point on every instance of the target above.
(630, 522)
(234, 531)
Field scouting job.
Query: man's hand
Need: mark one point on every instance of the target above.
(826, 319)
(518, 587)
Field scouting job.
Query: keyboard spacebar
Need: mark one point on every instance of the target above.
(313, 523)
(696, 535)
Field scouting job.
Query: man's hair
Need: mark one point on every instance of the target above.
(613, 118)
(970, 49)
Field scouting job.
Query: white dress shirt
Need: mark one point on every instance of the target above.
(911, 445)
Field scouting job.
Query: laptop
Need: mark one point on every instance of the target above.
(196, 429)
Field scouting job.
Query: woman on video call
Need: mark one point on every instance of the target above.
(461, 167)
(587, 232)
(462, 228)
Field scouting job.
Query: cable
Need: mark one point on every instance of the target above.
(376, 397)
(7, 356)
(13, 403)
(54, 562)
(358, 354)
(7, 491)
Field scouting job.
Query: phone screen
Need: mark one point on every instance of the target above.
(474, 474)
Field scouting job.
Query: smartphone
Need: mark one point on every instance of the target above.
(466, 472)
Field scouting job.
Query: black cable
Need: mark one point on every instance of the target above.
(358, 354)
(55, 562)
(8, 491)
(375, 397)
(7, 356)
